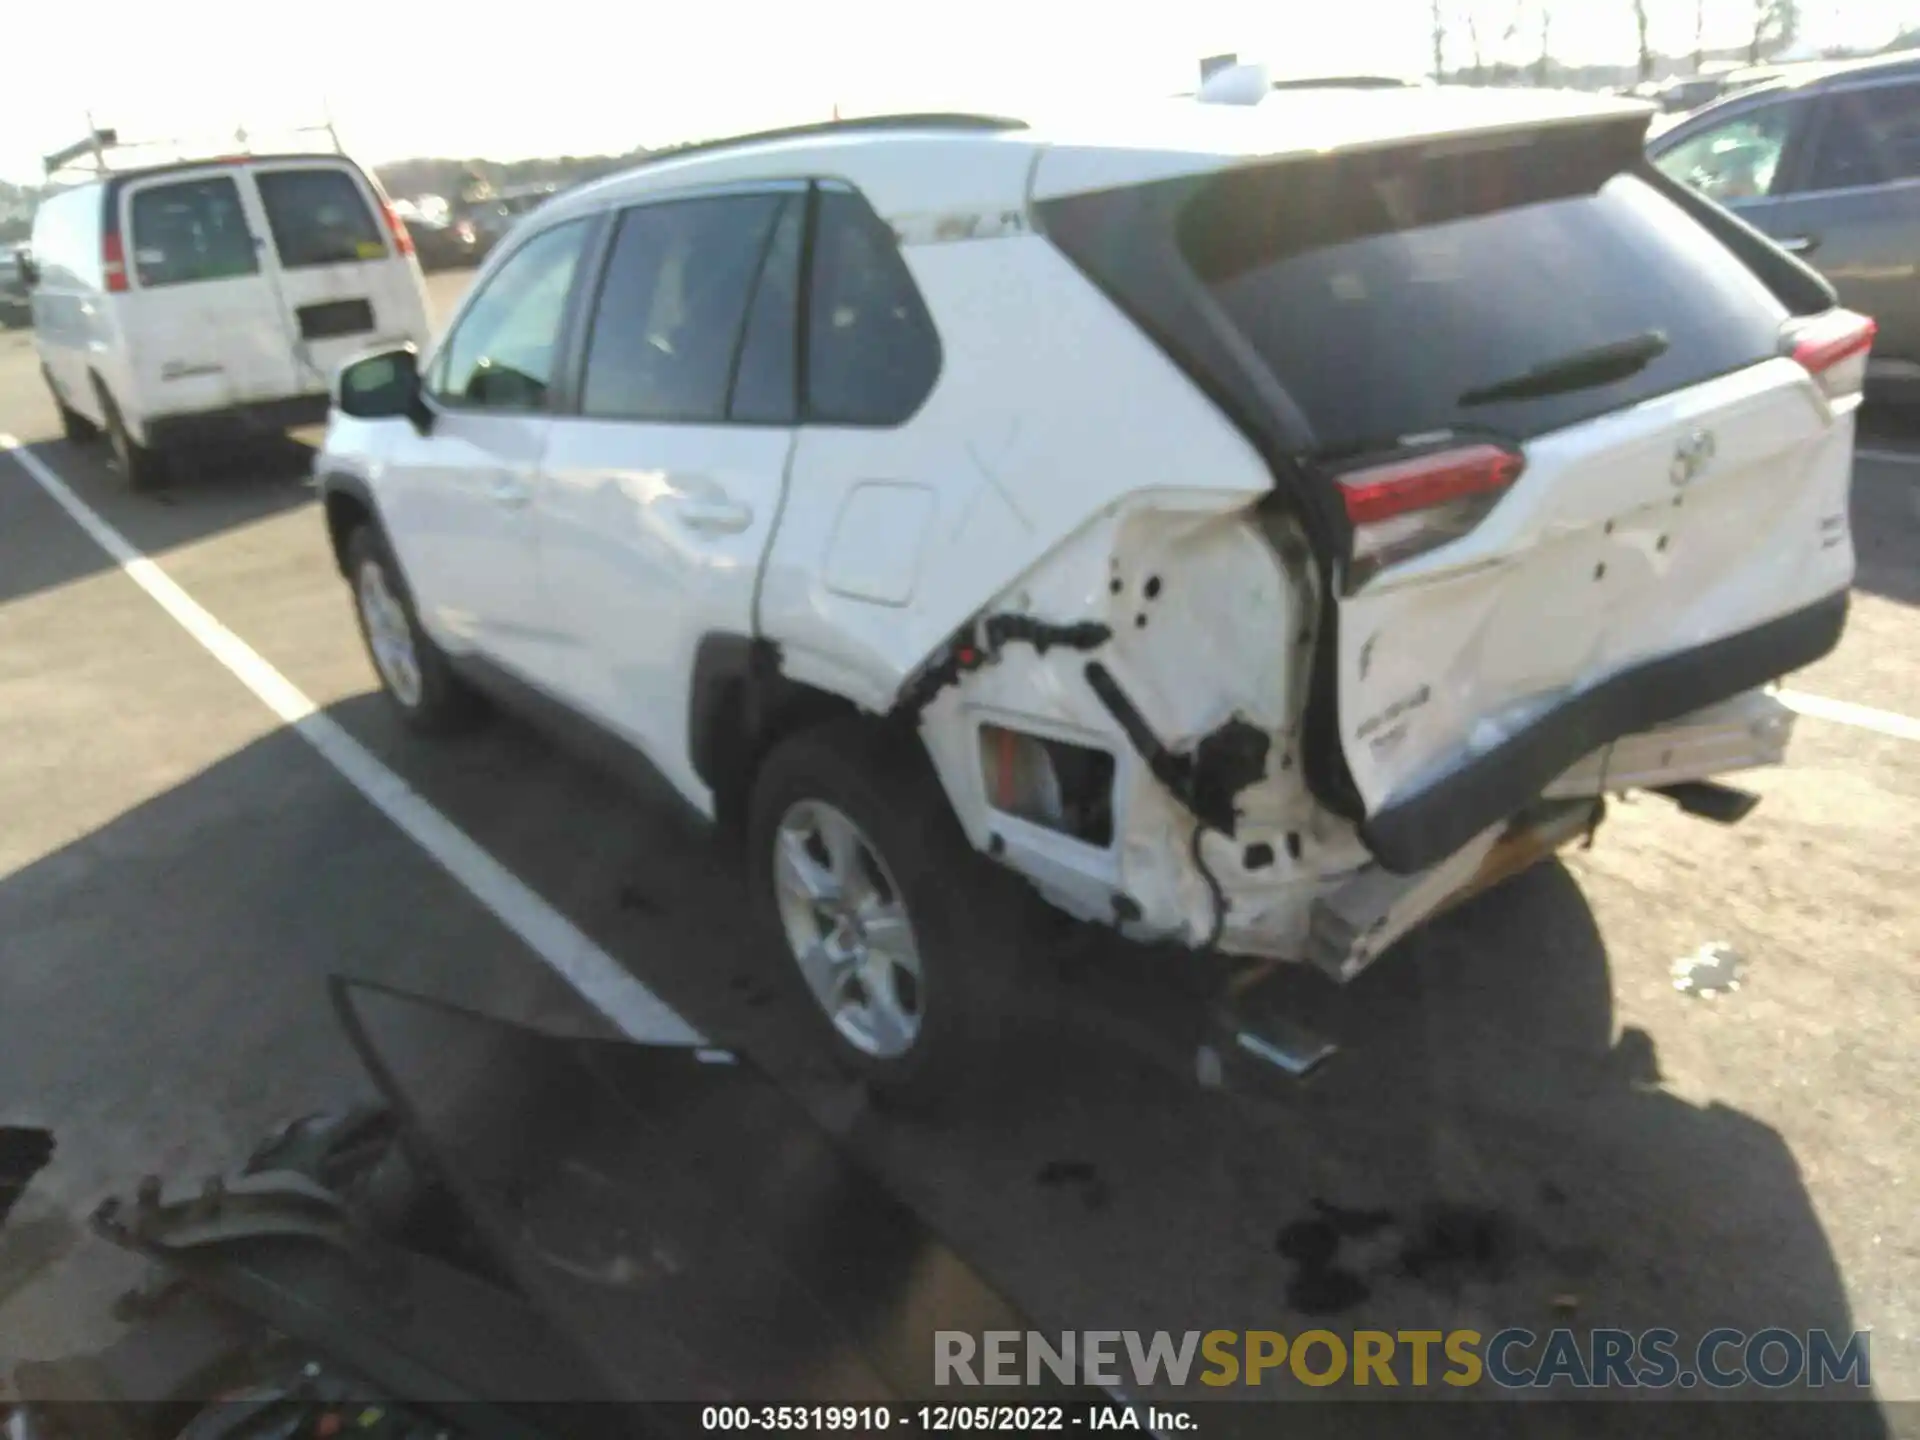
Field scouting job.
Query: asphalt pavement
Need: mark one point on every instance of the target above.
(1552, 1132)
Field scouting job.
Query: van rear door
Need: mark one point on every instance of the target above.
(199, 319)
(345, 275)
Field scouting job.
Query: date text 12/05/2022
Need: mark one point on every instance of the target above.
(940, 1419)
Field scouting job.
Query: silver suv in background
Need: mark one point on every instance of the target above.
(1826, 160)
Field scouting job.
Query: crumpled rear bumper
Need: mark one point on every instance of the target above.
(1410, 834)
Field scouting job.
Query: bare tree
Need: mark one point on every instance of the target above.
(1776, 25)
(1541, 67)
(1439, 42)
(1473, 40)
(1699, 34)
(1640, 31)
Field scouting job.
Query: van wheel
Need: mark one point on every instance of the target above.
(414, 672)
(73, 425)
(144, 469)
(899, 933)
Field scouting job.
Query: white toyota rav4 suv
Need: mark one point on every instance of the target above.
(1250, 527)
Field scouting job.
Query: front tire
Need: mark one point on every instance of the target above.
(902, 938)
(74, 426)
(144, 468)
(414, 673)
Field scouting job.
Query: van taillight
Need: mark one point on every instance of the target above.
(402, 240)
(113, 262)
(1406, 507)
(1833, 349)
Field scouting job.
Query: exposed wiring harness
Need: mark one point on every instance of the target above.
(1219, 895)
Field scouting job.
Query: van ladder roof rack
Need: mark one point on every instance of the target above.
(102, 152)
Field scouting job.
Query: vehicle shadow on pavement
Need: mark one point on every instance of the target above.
(212, 490)
(1484, 1153)
(1885, 521)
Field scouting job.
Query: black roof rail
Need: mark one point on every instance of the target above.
(859, 124)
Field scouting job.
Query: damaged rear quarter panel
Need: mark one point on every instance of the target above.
(1207, 629)
(1050, 409)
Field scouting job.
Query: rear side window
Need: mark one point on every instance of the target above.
(318, 217)
(872, 354)
(190, 231)
(1872, 137)
(1383, 291)
(672, 308)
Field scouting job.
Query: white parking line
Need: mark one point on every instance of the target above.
(596, 975)
(1842, 712)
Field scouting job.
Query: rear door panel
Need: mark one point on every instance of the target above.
(343, 287)
(202, 325)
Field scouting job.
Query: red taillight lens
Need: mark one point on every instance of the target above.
(113, 262)
(1405, 507)
(402, 238)
(1833, 349)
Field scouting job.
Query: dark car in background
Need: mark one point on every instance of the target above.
(14, 306)
(1825, 158)
(492, 218)
(443, 243)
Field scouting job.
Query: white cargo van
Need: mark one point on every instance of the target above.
(178, 303)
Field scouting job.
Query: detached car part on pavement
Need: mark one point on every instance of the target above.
(1254, 528)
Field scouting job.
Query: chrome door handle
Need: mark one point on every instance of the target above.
(1799, 244)
(714, 516)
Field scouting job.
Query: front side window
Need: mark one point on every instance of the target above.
(672, 308)
(318, 217)
(1738, 159)
(190, 231)
(503, 353)
(1872, 137)
(872, 353)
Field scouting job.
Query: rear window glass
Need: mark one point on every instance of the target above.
(188, 231)
(1382, 290)
(319, 217)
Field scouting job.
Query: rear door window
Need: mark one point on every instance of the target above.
(1384, 290)
(673, 306)
(1871, 137)
(187, 231)
(319, 217)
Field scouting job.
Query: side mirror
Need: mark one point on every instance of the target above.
(383, 386)
(29, 272)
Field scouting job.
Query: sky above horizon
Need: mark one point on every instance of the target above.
(423, 80)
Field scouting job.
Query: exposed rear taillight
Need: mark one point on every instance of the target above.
(1406, 507)
(1833, 349)
(113, 262)
(402, 237)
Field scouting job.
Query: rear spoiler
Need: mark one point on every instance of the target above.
(1796, 284)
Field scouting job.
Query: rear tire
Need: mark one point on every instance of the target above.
(414, 673)
(144, 468)
(73, 425)
(919, 1008)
